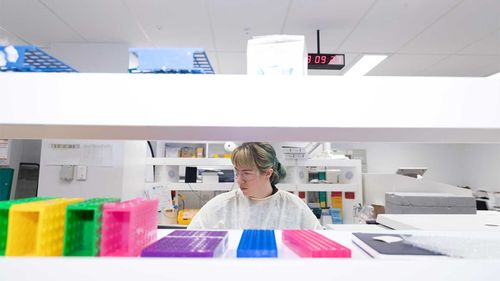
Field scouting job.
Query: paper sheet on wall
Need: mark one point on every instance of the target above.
(4, 152)
(79, 154)
(163, 195)
(97, 155)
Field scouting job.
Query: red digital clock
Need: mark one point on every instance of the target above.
(325, 61)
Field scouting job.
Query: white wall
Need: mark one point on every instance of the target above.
(473, 165)
(134, 165)
(376, 185)
(92, 57)
(31, 151)
(482, 166)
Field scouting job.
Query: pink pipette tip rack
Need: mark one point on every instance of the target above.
(128, 227)
(310, 244)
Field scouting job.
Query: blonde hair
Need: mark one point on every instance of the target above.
(260, 156)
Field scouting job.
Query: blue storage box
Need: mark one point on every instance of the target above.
(33, 59)
(169, 60)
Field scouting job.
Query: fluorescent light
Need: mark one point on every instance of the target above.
(364, 65)
(495, 75)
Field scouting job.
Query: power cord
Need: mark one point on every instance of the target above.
(152, 155)
(199, 196)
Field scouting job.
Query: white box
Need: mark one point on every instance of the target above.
(209, 177)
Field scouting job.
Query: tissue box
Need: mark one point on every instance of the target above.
(428, 203)
(210, 177)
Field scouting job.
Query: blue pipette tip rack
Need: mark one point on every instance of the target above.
(257, 244)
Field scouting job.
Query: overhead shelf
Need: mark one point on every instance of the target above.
(189, 161)
(226, 186)
(321, 162)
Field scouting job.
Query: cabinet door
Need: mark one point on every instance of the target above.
(6, 175)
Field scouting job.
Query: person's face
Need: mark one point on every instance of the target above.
(251, 181)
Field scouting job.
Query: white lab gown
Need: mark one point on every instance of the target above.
(234, 210)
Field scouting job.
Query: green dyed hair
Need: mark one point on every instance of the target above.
(260, 156)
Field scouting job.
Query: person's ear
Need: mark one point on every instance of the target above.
(269, 172)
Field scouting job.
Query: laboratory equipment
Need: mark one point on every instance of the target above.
(127, 227)
(257, 244)
(189, 244)
(428, 203)
(4, 218)
(82, 231)
(382, 245)
(310, 244)
(37, 228)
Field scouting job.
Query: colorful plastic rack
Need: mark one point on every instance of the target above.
(198, 233)
(257, 244)
(33, 59)
(310, 244)
(37, 228)
(82, 232)
(4, 218)
(189, 244)
(128, 227)
(170, 61)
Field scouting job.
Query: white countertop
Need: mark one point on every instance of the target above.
(482, 221)
(357, 227)
(287, 265)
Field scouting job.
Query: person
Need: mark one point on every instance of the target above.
(258, 203)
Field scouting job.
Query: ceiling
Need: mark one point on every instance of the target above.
(420, 37)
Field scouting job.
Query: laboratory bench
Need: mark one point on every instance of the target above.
(286, 266)
(482, 221)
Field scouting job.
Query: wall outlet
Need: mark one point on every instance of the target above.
(81, 173)
(67, 172)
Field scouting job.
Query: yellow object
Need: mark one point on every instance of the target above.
(37, 228)
(337, 202)
(216, 155)
(185, 216)
(227, 155)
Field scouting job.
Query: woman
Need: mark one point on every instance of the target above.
(257, 204)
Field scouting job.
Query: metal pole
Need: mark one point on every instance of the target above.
(317, 37)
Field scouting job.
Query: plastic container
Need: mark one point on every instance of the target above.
(128, 227)
(33, 59)
(169, 60)
(4, 218)
(37, 228)
(189, 244)
(82, 231)
(198, 233)
(310, 244)
(257, 244)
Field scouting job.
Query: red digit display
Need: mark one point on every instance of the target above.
(325, 61)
